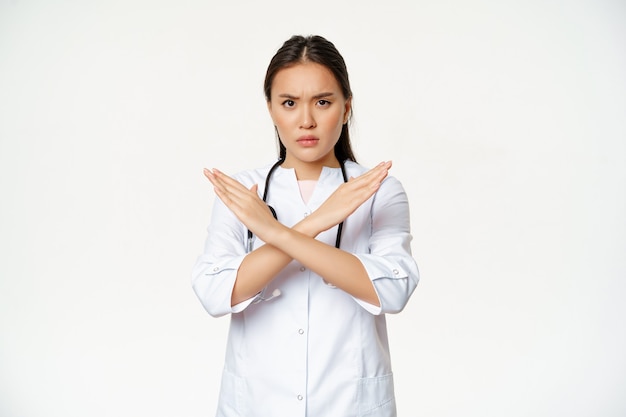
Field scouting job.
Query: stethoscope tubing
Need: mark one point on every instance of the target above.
(266, 191)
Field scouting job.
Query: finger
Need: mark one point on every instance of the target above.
(383, 166)
(230, 185)
(370, 182)
(235, 195)
(377, 170)
(381, 170)
(226, 190)
(212, 178)
(207, 173)
(374, 176)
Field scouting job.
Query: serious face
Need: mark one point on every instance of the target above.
(308, 110)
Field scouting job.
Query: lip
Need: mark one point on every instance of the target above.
(308, 140)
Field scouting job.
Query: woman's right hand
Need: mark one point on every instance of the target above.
(245, 203)
(348, 197)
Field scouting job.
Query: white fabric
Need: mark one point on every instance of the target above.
(314, 350)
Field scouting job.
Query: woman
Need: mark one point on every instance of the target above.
(308, 290)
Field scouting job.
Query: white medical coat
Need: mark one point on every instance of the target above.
(314, 350)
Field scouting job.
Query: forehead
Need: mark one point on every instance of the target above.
(303, 79)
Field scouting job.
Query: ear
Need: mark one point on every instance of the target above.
(347, 110)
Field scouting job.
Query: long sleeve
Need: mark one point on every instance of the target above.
(389, 262)
(378, 234)
(215, 271)
(315, 347)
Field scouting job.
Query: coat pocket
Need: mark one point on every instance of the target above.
(375, 397)
(231, 399)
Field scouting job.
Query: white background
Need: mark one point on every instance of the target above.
(506, 122)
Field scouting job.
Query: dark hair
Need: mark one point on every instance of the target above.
(300, 49)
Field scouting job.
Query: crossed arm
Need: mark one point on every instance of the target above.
(283, 244)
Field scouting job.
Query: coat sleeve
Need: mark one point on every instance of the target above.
(389, 263)
(215, 271)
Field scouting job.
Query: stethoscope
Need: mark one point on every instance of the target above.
(277, 292)
(266, 191)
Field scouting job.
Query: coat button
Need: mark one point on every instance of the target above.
(302, 269)
(396, 272)
(301, 331)
(300, 397)
(216, 269)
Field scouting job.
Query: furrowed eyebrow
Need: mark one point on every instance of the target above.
(323, 95)
(316, 97)
(285, 95)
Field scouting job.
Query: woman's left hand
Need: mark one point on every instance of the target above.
(244, 203)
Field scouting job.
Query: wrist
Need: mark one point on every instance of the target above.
(278, 235)
(308, 226)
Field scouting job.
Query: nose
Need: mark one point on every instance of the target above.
(307, 120)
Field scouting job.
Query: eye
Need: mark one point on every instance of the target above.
(289, 103)
(323, 103)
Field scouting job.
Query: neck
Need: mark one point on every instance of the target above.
(310, 170)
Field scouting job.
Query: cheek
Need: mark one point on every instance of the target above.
(335, 121)
(283, 125)
(282, 119)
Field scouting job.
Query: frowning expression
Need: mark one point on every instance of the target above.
(308, 109)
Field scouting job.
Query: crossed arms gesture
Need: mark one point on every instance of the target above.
(283, 244)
